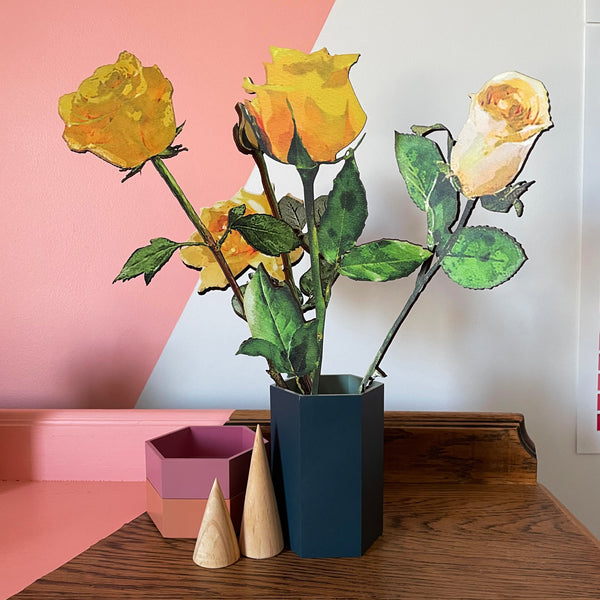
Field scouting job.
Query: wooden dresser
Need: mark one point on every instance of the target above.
(464, 517)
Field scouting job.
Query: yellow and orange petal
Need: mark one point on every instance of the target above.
(236, 251)
(312, 92)
(123, 113)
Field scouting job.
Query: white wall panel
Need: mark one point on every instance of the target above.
(509, 349)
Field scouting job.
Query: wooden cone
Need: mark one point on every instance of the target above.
(260, 533)
(217, 545)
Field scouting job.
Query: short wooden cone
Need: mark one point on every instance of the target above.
(260, 533)
(217, 545)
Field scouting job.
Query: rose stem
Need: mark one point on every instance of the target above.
(308, 181)
(259, 159)
(198, 224)
(210, 242)
(422, 280)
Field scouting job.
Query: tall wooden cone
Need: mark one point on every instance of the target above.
(217, 545)
(260, 533)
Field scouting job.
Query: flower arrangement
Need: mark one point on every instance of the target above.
(305, 115)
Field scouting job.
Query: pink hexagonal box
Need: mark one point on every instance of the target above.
(182, 466)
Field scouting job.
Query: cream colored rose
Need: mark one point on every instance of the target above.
(505, 119)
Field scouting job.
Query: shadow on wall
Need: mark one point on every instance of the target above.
(107, 381)
(16, 446)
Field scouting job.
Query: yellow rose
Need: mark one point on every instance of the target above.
(506, 117)
(236, 251)
(312, 90)
(122, 113)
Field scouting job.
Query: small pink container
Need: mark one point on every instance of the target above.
(185, 463)
(181, 468)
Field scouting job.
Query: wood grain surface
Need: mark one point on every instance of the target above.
(463, 518)
(470, 541)
(425, 447)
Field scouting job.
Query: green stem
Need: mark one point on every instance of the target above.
(421, 283)
(308, 181)
(259, 159)
(198, 224)
(275, 375)
(210, 242)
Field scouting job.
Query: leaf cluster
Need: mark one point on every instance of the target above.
(279, 329)
(475, 257)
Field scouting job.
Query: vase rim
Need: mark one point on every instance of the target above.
(342, 384)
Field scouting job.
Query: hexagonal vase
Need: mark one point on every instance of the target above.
(181, 467)
(327, 463)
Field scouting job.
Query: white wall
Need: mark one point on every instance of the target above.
(509, 349)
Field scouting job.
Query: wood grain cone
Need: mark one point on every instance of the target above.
(260, 533)
(216, 546)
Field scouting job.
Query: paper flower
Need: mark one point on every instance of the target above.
(505, 119)
(311, 92)
(236, 251)
(122, 113)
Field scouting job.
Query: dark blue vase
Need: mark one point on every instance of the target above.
(327, 463)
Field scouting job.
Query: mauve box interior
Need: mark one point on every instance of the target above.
(185, 463)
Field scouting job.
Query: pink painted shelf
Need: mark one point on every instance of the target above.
(47, 523)
(69, 478)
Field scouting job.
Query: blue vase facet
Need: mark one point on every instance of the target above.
(327, 463)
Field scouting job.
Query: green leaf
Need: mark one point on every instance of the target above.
(320, 207)
(237, 305)
(236, 213)
(424, 130)
(149, 260)
(423, 168)
(518, 208)
(483, 257)
(272, 313)
(293, 212)
(171, 151)
(417, 159)
(383, 260)
(267, 234)
(328, 276)
(303, 353)
(442, 211)
(345, 215)
(258, 347)
(505, 199)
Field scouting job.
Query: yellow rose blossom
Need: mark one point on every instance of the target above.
(236, 251)
(123, 113)
(505, 118)
(314, 92)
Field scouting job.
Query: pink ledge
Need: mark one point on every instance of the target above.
(86, 444)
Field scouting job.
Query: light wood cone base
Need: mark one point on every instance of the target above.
(217, 545)
(260, 534)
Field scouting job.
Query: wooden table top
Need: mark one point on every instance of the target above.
(465, 533)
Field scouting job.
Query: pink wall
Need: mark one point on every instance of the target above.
(70, 339)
